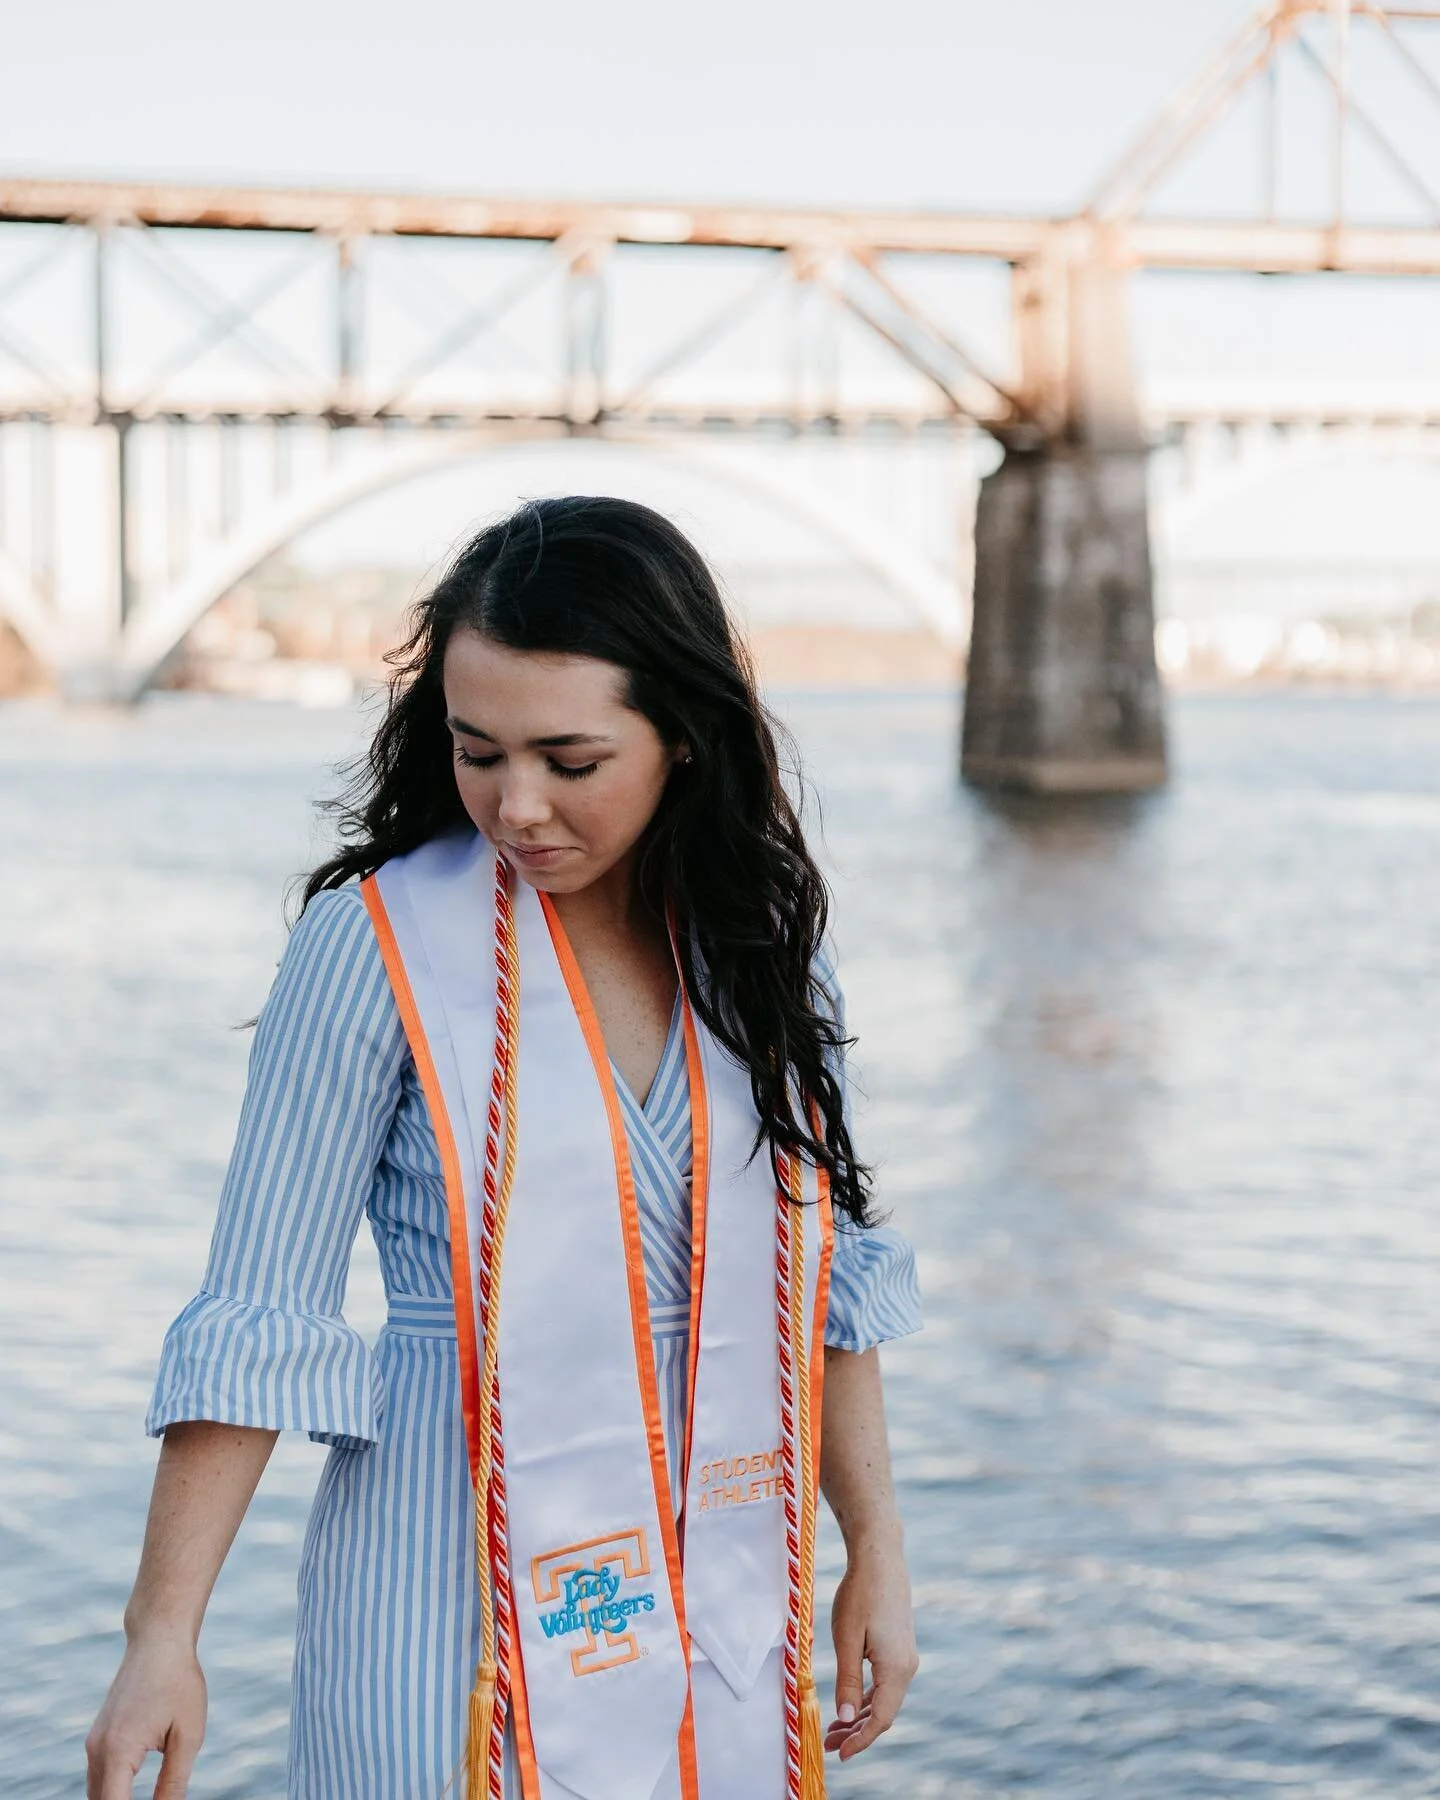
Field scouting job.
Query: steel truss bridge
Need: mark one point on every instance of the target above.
(192, 375)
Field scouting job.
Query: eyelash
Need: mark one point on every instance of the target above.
(563, 770)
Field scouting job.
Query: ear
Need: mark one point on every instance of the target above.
(682, 755)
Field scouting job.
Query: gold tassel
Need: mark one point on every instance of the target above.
(812, 1741)
(477, 1749)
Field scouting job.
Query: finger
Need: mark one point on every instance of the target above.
(849, 1674)
(839, 1734)
(888, 1696)
(174, 1779)
(112, 1774)
(840, 1729)
(861, 1738)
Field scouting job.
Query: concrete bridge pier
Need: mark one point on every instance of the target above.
(1063, 695)
(66, 593)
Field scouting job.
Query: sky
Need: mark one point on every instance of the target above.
(962, 104)
(1014, 106)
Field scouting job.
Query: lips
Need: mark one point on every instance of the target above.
(534, 855)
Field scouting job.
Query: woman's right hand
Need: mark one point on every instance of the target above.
(156, 1702)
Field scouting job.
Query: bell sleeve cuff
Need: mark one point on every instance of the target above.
(874, 1296)
(238, 1364)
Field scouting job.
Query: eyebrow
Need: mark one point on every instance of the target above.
(563, 740)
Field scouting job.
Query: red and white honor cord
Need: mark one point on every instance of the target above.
(492, 1550)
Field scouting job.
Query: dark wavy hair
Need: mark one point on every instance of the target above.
(600, 577)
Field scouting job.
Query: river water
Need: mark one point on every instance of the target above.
(1152, 1084)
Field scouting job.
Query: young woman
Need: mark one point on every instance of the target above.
(558, 1020)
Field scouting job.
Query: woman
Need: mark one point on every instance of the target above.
(557, 1020)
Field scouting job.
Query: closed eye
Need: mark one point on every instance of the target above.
(566, 771)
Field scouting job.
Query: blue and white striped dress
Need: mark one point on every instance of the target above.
(334, 1128)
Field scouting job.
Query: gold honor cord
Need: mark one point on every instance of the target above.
(482, 1695)
(812, 1736)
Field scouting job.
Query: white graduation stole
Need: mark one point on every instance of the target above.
(638, 1669)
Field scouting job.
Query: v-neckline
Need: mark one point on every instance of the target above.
(667, 1053)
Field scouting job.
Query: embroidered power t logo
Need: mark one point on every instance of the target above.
(580, 1585)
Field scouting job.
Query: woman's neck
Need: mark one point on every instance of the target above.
(611, 907)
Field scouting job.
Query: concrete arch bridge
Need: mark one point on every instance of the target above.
(286, 489)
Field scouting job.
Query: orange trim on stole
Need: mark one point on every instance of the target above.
(450, 1165)
(826, 1219)
(520, 1702)
(639, 1317)
(699, 1205)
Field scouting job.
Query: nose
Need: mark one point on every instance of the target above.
(522, 801)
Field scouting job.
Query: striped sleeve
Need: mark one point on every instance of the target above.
(264, 1343)
(874, 1295)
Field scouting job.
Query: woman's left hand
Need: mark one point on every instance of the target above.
(872, 1622)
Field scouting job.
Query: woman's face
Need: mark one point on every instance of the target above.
(552, 765)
